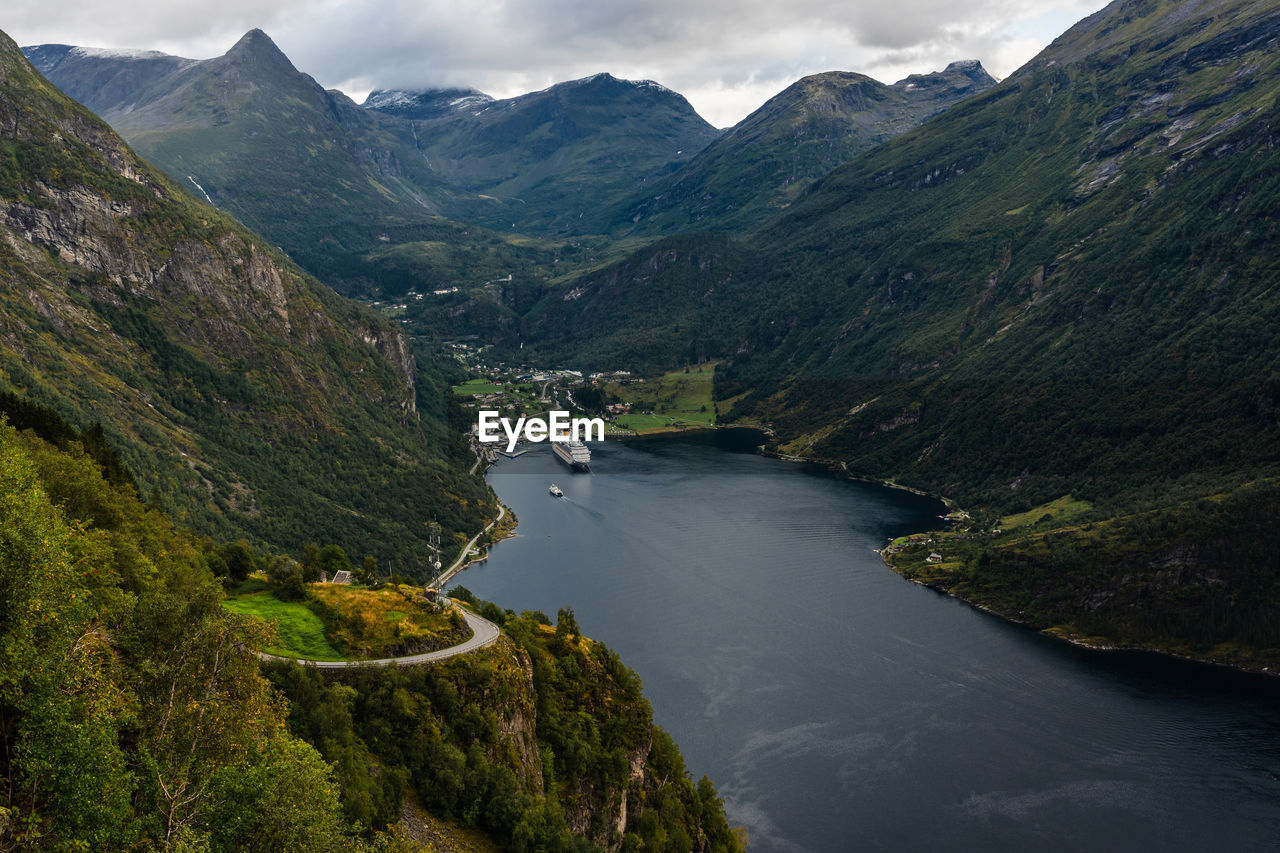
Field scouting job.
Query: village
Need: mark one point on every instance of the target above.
(629, 405)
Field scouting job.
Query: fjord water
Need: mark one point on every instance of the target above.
(839, 707)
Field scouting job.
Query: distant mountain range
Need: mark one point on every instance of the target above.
(546, 161)
(249, 131)
(310, 169)
(364, 197)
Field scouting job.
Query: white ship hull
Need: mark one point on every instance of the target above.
(572, 453)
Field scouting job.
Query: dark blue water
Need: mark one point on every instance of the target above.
(838, 707)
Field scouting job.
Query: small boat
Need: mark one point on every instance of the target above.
(555, 490)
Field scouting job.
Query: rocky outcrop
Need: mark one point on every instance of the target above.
(518, 723)
(392, 345)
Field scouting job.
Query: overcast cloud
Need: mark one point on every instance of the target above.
(726, 56)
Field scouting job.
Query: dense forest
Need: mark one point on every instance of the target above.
(132, 708)
(135, 714)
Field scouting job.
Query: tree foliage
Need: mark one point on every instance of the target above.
(456, 737)
(132, 711)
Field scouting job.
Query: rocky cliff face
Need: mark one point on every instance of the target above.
(231, 381)
(392, 345)
(606, 801)
(518, 719)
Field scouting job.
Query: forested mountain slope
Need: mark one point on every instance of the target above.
(246, 396)
(134, 714)
(766, 161)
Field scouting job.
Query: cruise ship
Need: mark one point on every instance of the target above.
(573, 453)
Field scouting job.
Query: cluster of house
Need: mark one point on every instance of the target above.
(549, 375)
(915, 539)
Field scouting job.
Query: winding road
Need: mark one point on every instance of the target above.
(466, 550)
(483, 633)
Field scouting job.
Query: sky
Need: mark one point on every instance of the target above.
(726, 56)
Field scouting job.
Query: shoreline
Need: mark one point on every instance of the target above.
(1080, 643)
(465, 560)
(841, 469)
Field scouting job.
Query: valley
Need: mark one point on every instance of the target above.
(248, 324)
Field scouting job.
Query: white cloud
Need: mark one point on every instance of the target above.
(726, 56)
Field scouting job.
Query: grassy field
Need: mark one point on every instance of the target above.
(657, 423)
(340, 622)
(476, 386)
(300, 632)
(679, 400)
(1063, 509)
(385, 622)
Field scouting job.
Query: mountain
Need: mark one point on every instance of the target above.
(770, 158)
(425, 103)
(245, 396)
(547, 161)
(308, 168)
(103, 79)
(147, 337)
(394, 196)
(1062, 287)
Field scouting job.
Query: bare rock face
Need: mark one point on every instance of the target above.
(392, 345)
(519, 727)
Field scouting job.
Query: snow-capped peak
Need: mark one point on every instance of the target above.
(380, 100)
(116, 53)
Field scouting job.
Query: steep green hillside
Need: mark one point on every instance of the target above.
(134, 713)
(544, 742)
(683, 300)
(245, 396)
(769, 159)
(1066, 284)
(1102, 277)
